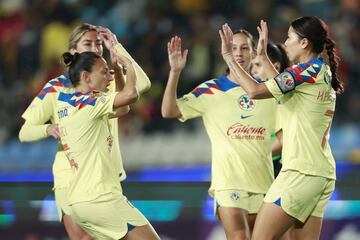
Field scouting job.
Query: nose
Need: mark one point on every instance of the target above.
(95, 48)
(237, 52)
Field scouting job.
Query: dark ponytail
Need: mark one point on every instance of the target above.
(79, 62)
(317, 32)
(336, 84)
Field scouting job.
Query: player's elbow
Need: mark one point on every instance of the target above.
(169, 113)
(132, 96)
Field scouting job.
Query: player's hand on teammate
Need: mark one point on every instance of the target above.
(107, 37)
(177, 59)
(53, 131)
(226, 36)
(263, 38)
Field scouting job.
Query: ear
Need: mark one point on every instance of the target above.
(72, 51)
(85, 76)
(304, 43)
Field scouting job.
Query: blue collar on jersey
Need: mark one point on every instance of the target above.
(65, 80)
(318, 61)
(225, 83)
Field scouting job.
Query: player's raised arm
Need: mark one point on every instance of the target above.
(177, 61)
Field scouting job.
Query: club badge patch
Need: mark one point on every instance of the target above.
(285, 82)
(246, 103)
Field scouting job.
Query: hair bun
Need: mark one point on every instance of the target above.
(70, 58)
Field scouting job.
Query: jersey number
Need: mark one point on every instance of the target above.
(62, 113)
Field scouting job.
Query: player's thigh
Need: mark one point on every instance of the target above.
(74, 230)
(142, 232)
(296, 193)
(271, 222)
(310, 230)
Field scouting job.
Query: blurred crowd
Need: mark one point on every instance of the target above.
(34, 34)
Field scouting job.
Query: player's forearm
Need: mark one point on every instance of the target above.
(128, 94)
(143, 81)
(251, 87)
(169, 108)
(269, 68)
(119, 78)
(30, 132)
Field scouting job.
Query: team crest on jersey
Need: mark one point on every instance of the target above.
(246, 103)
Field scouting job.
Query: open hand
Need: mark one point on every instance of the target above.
(226, 36)
(177, 59)
(263, 38)
(107, 37)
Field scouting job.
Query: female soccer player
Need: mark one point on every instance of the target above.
(280, 60)
(95, 195)
(307, 91)
(85, 37)
(240, 132)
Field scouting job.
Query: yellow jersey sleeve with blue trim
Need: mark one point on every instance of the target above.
(102, 104)
(87, 141)
(143, 83)
(42, 107)
(191, 105)
(239, 129)
(308, 106)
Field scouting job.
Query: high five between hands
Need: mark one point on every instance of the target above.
(110, 41)
(226, 36)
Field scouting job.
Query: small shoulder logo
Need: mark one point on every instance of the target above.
(246, 103)
(234, 196)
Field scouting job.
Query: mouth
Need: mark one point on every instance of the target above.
(240, 61)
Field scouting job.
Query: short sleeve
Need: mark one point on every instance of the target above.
(102, 105)
(190, 106)
(294, 78)
(41, 108)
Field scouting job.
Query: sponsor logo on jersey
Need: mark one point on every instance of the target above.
(247, 132)
(245, 116)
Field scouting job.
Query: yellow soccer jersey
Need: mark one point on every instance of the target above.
(116, 153)
(308, 105)
(41, 110)
(87, 142)
(239, 129)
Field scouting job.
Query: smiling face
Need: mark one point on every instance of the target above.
(89, 42)
(293, 46)
(100, 76)
(242, 50)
